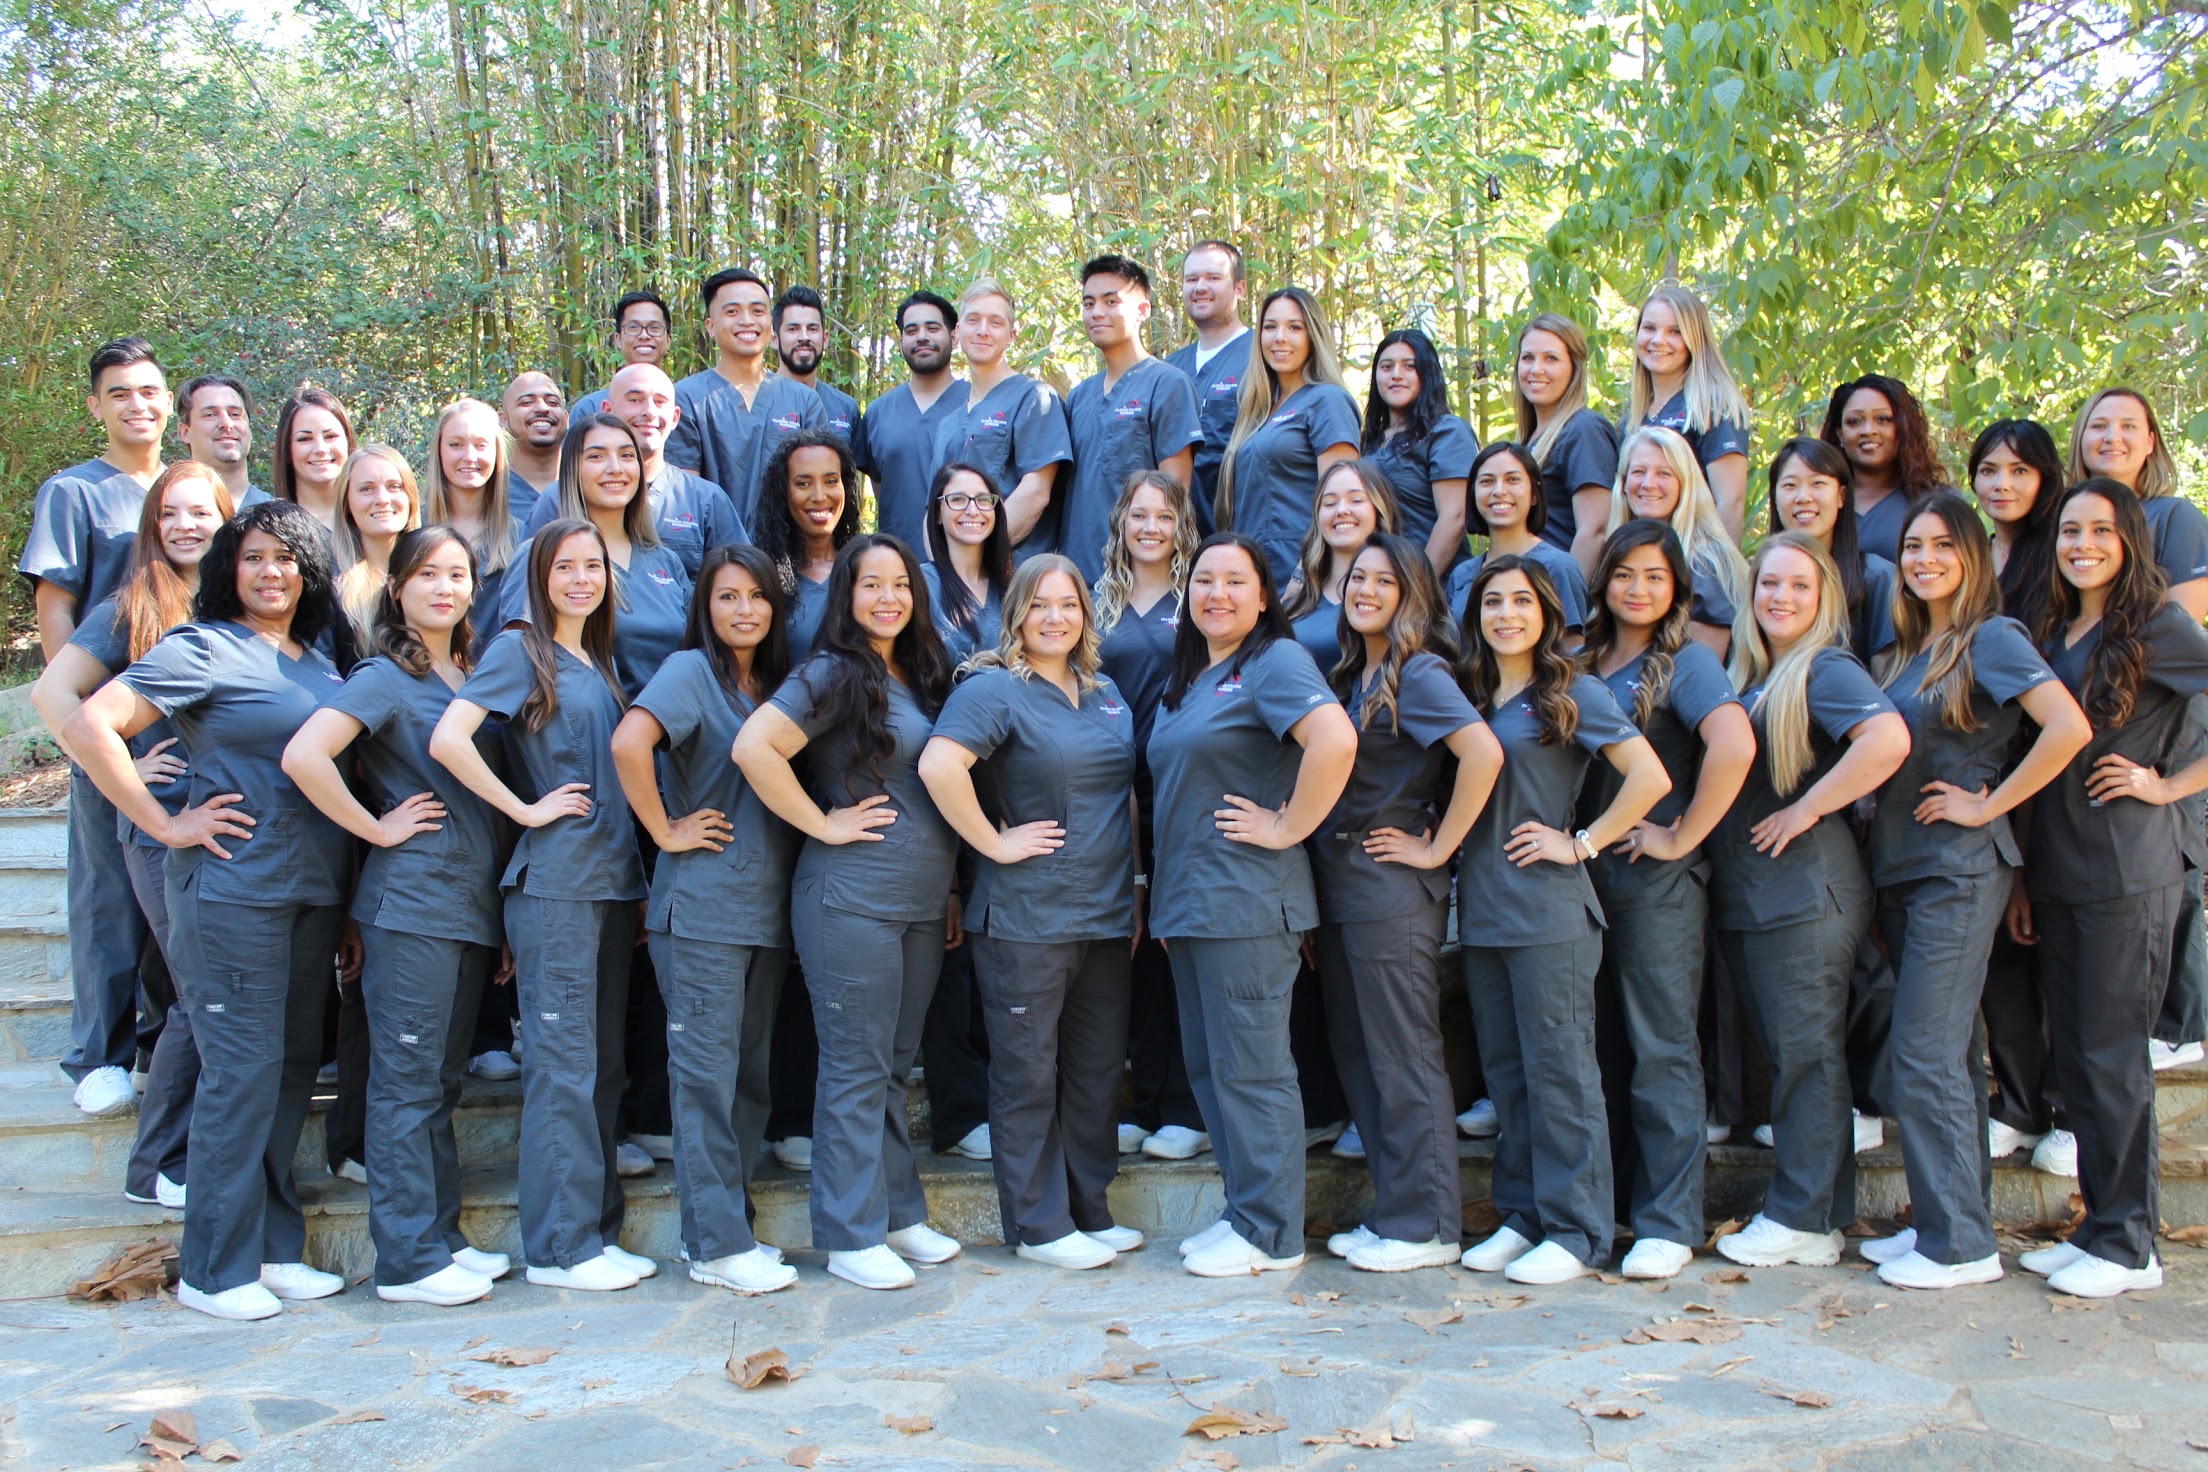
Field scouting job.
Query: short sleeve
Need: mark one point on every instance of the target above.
(1286, 684)
(686, 441)
(1587, 446)
(1842, 694)
(61, 536)
(1571, 589)
(1601, 722)
(1173, 422)
(1876, 618)
(1333, 420)
(799, 697)
(372, 694)
(724, 524)
(1460, 587)
(503, 680)
(1429, 704)
(513, 592)
(177, 673)
(1450, 449)
(1040, 435)
(2181, 542)
(2177, 651)
(673, 698)
(978, 716)
(1719, 440)
(861, 459)
(102, 636)
(1711, 604)
(2004, 661)
(1698, 685)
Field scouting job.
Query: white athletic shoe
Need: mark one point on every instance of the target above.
(1205, 1238)
(659, 1147)
(973, 1145)
(1232, 1257)
(298, 1281)
(1358, 1236)
(2097, 1277)
(1392, 1255)
(2004, 1140)
(1717, 1134)
(1551, 1262)
(635, 1262)
(1120, 1239)
(1762, 1134)
(871, 1267)
(923, 1243)
(498, 1066)
(492, 1265)
(1479, 1122)
(795, 1153)
(1915, 1270)
(244, 1302)
(1323, 1134)
(1131, 1137)
(2162, 1055)
(600, 1274)
(632, 1159)
(2057, 1154)
(1076, 1251)
(1176, 1142)
(1870, 1131)
(1763, 1243)
(2048, 1261)
(169, 1194)
(1497, 1252)
(1653, 1257)
(1883, 1250)
(1351, 1146)
(744, 1272)
(448, 1287)
(350, 1170)
(104, 1092)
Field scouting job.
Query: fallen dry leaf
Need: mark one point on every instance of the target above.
(1326, 1439)
(1731, 1365)
(356, 1418)
(2063, 1304)
(483, 1395)
(757, 1369)
(1816, 1400)
(174, 1435)
(1305, 1372)
(141, 1270)
(2193, 1236)
(802, 1456)
(1223, 1459)
(220, 1451)
(1686, 1331)
(1331, 1295)
(1430, 1319)
(1376, 1433)
(114, 1427)
(1116, 1326)
(1611, 1412)
(513, 1358)
(1221, 1422)
(476, 1343)
(1609, 1280)
(374, 1337)
(1725, 1228)
(909, 1425)
(1725, 1275)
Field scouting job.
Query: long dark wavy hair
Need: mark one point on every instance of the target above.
(2030, 570)
(538, 635)
(391, 635)
(1425, 410)
(1420, 624)
(773, 530)
(1820, 457)
(154, 599)
(291, 524)
(1670, 634)
(1191, 652)
(1949, 671)
(1553, 671)
(771, 660)
(2118, 665)
(960, 606)
(1917, 468)
(852, 688)
(1537, 506)
(282, 479)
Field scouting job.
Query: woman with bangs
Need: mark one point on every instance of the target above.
(1681, 383)
(380, 503)
(1509, 509)
(314, 435)
(1381, 866)
(1055, 909)
(1658, 480)
(2107, 865)
(970, 559)
(2016, 476)
(1882, 433)
(1423, 450)
(1575, 447)
(1353, 503)
(1653, 884)
(1294, 422)
(1531, 927)
(469, 488)
(1810, 495)
(1789, 895)
(1964, 678)
(570, 890)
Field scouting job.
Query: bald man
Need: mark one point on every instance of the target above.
(534, 412)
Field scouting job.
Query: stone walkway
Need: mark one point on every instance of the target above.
(994, 1363)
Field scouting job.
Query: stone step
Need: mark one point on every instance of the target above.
(34, 838)
(34, 955)
(34, 1026)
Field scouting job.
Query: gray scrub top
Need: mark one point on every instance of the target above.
(1045, 759)
(445, 883)
(1230, 735)
(1218, 386)
(1754, 891)
(588, 858)
(1871, 622)
(651, 610)
(83, 525)
(1012, 431)
(237, 701)
(1878, 530)
(808, 609)
(728, 442)
(102, 636)
(1140, 422)
(895, 447)
(1674, 728)
(2084, 850)
(591, 403)
(692, 516)
(838, 410)
(1498, 903)
(1403, 778)
(1444, 453)
(1711, 605)
(522, 497)
(1276, 470)
(1319, 633)
(2180, 537)
(1571, 586)
(1138, 655)
(909, 874)
(1709, 445)
(2003, 665)
(741, 895)
(1585, 454)
(988, 619)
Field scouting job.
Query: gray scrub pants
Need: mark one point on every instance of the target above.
(1795, 979)
(2104, 965)
(1057, 1020)
(1533, 1008)
(420, 993)
(1656, 954)
(2183, 1017)
(255, 978)
(571, 961)
(870, 981)
(1939, 931)
(721, 1002)
(106, 939)
(1383, 1003)
(1234, 997)
(165, 1111)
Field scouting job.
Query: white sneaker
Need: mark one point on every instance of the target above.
(1763, 1243)
(767, 1250)
(498, 1066)
(1324, 1134)
(659, 1147)
(1717, 1134)
(2048, 1261)
(1653, 1257)
(923, 1243)
(1915, 1270)
(2057, 1154)
(327, 1073)
(744, 1272)
(448, 1287)
(1076, 1251)
(600, 1274)
(635, 1262)
(2004, 1140)
(168, 1193)
(1358, 1236)
(1176, 1142)
(1763, 1136)
(1231, 1257)
(244, 1302)
(1497, 1252)
(1205, 1238)
(1479, 1122)
(139, 1078)
(298, 1281)
(350, 1170)
(1392, 1255)
(104, 1092)
(2097, 1277)
(1351, 1146)
(1131, 1137)
(973, 1145)
(871, 1267)
(492, 1265)
(1870, 1131)
(1551, 1262)
(795, 1153)
(632, 1159)
(1120, 1239)
(1883, 1250)
(2162, 1055)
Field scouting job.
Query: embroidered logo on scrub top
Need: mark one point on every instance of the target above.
(1113, 709)
(663, 577)
(682, 519)
(1226, 385)
(997, 420)
(1129, 409)
(842, 424)
(1231, 685)
(1284, 416)
(787, 423)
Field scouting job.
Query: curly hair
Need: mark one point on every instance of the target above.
(774, 530)
(1670, 633)
(1917, 468)
(1553, 669)
(1421, 623)
(1011, 650)
(1117, 584)
(302, 536)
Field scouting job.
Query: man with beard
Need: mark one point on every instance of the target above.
(800, 342)
(734, 413)
(643, 330)
(534, 412)
(896, 440)
(214, 421)
(1213, 288)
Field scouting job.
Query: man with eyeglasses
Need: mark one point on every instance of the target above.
(641, 331)
(800, 342)
(735, 412)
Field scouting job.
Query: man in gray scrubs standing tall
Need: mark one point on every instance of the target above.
(800, 342)
(896, 441)
(735, 412)
(1213, 289)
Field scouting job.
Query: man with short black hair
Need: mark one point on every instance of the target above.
(735, 412)
(1213, 289)
(800, 343)
(214, 423)
(534, 412)
(643, 331)
(896, 440)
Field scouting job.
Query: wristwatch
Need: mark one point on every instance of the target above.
(1584, 845)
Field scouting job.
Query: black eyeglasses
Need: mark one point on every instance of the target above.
(961, 500)
(643, 329)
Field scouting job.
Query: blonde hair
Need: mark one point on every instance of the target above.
(498, 543)
(1712, 396)
(1117, 584)
(1261, 393)
(1784, 703)
(1709, 547)
(1567, 332)
(988, 286)
(2157, 477)
(359, 581)
(1011, 651)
